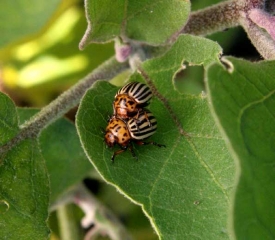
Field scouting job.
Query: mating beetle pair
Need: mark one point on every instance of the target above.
(131, 122)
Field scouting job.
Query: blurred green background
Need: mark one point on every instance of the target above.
(39, 53)
(40, 58)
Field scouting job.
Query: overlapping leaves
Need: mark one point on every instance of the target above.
(24, 187)
(24, 179)
(136, 20)
(243, 102)
(183, 188)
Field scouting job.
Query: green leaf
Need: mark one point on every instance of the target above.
(66, 161)
(152, 22)
(20, 18)
(184, 188)
(24, 188)
(243, 102)
(8, 119)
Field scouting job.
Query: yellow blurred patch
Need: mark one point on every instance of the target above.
(55, 34)
(49, 67)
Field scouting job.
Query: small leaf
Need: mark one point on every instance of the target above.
(243, 102)
(66, 161)
(152, 22)
(24, 188)
(19, 19)
(186, 186)
(8, 119)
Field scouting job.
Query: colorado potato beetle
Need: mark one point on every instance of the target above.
(124, 132)
(130, 99)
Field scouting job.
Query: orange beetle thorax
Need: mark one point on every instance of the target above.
(117, 133)
(125, 106)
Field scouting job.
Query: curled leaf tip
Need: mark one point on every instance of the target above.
(85, 41)
(227, 64)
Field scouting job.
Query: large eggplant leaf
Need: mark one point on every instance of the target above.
(243, 102)
(24, 185)
(184, 188)
(152, 22)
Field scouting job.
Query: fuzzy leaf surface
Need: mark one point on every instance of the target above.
(20, 18)
(243, 102)
(65, 159)
(24, 188)
(152, 22)
(8, 119)
(184, 188)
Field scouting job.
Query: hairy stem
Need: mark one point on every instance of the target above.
(65, 101)
(230, 14)
(96, 214)
(220, 16)
(213, 19)
(68, 226)
(72, 97)
(262, 41)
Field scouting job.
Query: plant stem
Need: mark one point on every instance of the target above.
(213, 19)
(65, 102)
(68, 227)
(95, 213)
(230, 14)
(262, 41)
(72, 97)
(220, 16)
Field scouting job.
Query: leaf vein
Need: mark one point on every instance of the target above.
(161, 170)
(208, 169)
(246, 107)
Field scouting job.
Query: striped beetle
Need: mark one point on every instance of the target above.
(136, 129)
(130, 99)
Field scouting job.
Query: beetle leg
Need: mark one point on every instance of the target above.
(116, 153)
(138, 113)
(132, 151)
(109, 117)
(146, 116)
(114, 109)
(136, 120)
(151, 143)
